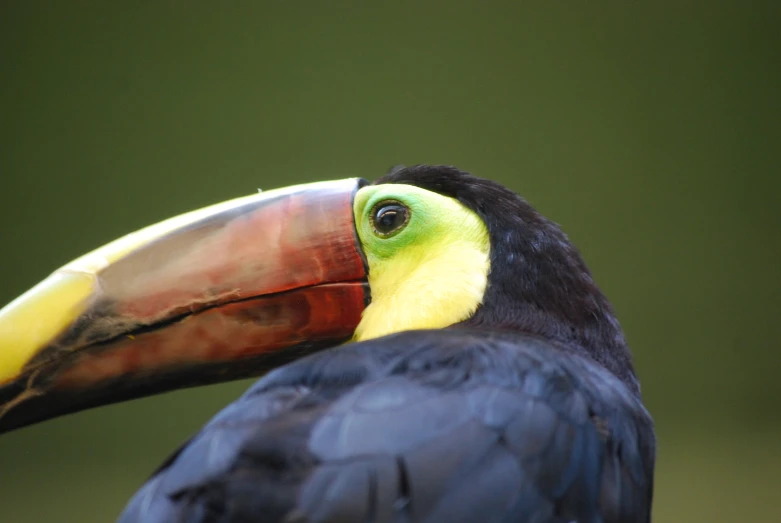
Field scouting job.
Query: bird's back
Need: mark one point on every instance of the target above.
(447, 426)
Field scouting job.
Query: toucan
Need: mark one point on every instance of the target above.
(431, 349)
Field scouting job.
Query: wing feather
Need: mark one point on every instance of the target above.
(429, 426)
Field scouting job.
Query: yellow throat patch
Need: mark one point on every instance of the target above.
(431, 272)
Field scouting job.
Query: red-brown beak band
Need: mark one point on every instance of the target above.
(222, 293)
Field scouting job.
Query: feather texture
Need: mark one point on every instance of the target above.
(455, 425)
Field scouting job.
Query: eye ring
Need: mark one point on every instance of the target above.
(389, 217)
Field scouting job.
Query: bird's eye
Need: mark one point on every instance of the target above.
(389, 217)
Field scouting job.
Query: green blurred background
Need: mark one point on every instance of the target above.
(650, 131)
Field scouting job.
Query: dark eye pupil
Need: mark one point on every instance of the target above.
(390, 217)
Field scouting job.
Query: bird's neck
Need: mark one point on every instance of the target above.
(562, 304)
(429, 287)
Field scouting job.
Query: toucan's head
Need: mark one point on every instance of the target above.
(235, 289)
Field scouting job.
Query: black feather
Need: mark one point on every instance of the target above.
(506, 432)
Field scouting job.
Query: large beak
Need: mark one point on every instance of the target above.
(221, 293)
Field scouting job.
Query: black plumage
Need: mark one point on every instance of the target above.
(527, 412)
(457, 425)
